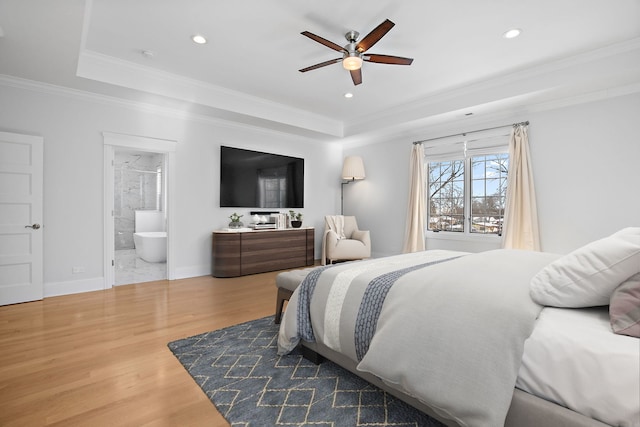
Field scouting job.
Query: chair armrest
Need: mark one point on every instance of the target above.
(331, 238)
(363, 236)
(329, 241)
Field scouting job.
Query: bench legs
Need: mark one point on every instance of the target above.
(283, 295)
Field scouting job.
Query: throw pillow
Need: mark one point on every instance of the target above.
(587, 276)
(624, 308)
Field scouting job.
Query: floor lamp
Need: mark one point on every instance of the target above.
(352, 169)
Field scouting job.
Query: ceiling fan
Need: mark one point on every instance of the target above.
(354, 52)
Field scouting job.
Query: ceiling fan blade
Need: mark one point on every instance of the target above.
(356, 76)
(375, 35)
(322, 64)
(325, 42)
(387, 59)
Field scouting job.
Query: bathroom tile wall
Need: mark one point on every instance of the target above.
(135, 187)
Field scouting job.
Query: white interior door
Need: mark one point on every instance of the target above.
(21, 161)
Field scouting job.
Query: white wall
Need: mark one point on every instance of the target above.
(379, 202)
(587, 171)
(72, 126)
(585, 164)
(585, 167)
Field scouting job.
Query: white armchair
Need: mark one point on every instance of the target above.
(343, 240)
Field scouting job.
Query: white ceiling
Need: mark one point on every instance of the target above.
(248, 70)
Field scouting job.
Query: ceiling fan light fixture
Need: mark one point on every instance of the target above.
(352, 62)
(354, 53)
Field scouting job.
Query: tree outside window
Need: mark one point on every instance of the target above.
(446, 196)
(474, 188)
(488, 192)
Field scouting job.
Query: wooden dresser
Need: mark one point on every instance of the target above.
(241, 253)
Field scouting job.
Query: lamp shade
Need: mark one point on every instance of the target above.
(353, 168)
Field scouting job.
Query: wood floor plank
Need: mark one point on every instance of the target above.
(101, 358)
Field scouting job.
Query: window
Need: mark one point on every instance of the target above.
(467, 195)
(446, 195)
(488, 192)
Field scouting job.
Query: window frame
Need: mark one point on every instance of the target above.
(466, 157)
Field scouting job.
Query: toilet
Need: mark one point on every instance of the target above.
(149, 238)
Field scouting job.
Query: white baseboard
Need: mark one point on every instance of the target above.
(53, 289)
(192, 271)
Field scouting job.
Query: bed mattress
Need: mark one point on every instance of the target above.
(572, 358)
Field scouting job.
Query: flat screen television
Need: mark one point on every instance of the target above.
(252, 179)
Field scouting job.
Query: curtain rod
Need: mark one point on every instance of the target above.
(473, 131)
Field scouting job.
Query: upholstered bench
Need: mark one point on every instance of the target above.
(287, 282)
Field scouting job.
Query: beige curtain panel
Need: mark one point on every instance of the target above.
(520, 230)
(414, 233)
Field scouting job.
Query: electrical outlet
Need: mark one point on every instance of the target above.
(77, 270)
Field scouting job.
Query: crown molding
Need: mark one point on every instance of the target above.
(300, 135)
(522, 90)
(107, 69)
(542, 74)
(455, 121)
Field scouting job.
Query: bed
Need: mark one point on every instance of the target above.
(472, 339)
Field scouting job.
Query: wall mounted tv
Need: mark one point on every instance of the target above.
(252, 179)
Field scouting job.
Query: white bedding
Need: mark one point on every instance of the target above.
(574, 359)
(465, 324)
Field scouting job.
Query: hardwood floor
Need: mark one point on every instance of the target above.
(101, 358)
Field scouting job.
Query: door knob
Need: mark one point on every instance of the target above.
(34, 226)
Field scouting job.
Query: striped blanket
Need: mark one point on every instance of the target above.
(447, 328)
(375, 292)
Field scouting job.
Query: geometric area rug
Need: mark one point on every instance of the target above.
(250, 385)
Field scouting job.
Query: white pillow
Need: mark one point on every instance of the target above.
(588, 276)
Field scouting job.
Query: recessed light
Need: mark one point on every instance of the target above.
(199, 39)
(512, 33)
(348, 95)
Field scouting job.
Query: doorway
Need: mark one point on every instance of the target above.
(137, 209)
(139, 218)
